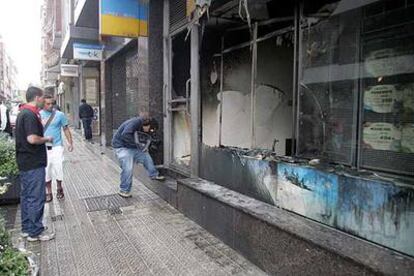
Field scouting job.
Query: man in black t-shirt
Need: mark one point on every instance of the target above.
(32, 160)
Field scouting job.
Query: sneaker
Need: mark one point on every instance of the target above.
(159, 178)
(124, 194)
(25, 234)
(44, 236)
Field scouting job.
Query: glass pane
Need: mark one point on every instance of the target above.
(387, 52)
(328, 87)
(236, 99)
(274, 93)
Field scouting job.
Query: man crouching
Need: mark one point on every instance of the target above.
(130, 150)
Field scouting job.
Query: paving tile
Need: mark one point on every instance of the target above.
(146, 236)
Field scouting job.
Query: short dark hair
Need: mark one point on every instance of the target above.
(33, 92)
(146, 122)
(83, 101)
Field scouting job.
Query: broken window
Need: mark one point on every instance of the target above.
(274, 92)
(250, 114)
(356, 84)
(180, 101)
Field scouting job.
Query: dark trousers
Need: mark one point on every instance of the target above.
(87, 122)
(32, 198)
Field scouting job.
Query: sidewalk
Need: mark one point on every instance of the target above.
(100, 233)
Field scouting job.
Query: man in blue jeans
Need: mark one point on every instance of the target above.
(32, 160)
(129, 152)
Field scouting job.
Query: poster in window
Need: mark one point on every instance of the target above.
(91, 90)
(407, 139)
(382, 136)
(380, 98)
(388, 62)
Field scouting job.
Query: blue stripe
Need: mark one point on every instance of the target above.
(126, 8)
(87, 46)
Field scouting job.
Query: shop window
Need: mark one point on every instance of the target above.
(356, 85)
(328, 88)
(387, 53)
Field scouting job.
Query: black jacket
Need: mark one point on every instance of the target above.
(85, 111)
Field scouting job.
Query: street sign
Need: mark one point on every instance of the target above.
(69, 70)
(87, 51)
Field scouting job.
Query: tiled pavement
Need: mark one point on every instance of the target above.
(144, 237)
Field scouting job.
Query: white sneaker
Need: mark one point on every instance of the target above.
(25, 234)
(159, 178)
(44, 236)
(124, 194)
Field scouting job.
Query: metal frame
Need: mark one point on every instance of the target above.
(253, 79)
(195, 101)
(167, 85)
(253, 44)
(221, 91)
(295, 74)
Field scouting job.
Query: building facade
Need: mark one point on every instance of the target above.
(304, 105)
(8, 74)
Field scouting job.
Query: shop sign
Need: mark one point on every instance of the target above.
(69, 70)
(125, 18)
(87, 51)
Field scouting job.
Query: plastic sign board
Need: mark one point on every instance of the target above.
(69, 70)
(124, 18)
(87, 51)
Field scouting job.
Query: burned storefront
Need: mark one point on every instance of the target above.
(305, 105)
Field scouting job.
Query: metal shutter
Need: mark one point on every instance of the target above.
(178, 13)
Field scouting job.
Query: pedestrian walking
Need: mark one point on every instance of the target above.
(130, 149)
(5, 125)
(32, 160)
(86, 115)
(54, 121)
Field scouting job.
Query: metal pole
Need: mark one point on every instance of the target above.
(299, 78)
(295, 73)
(221, 91)
(195, 100)
(253, 88)
(166, 86)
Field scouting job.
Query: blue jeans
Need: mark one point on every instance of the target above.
(32, 198)
(87, 122)
(127, 157)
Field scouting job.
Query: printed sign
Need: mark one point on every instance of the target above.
(380, 98)
(69, 70)
(382, 136)
(407, 139)
(125, 18)
(87, 51)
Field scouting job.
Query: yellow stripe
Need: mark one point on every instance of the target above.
(190, 7)
(123, 26)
